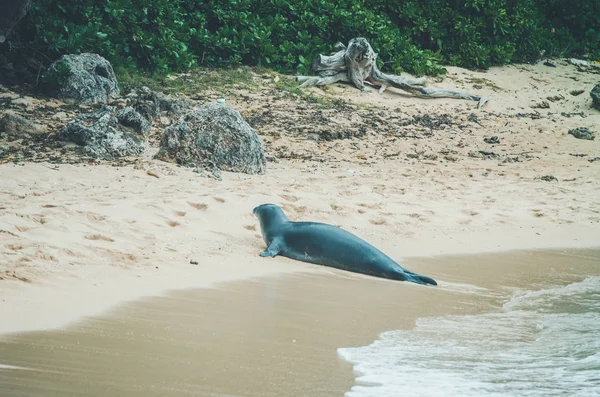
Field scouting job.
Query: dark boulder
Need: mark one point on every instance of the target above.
(14, 126)
(102, 136)
(150, 103)
(129, 117)
(86, 78)
(213, 137)
(595, 94)
(583, 133)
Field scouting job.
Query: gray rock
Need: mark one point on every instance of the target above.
(483, 154)
(213, 137)
(595, 94)
(541, 105)
(12, 123)
(173, 106)
(149, 103)
(129, 117)
(213, 173)
(102, 136)
(4, 151)
(547, 178)
(16, 126)
(144, 101)
(87, 78)
(582, 133)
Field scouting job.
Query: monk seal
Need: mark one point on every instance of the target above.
(327, 245)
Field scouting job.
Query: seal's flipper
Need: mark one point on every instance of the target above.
(419, 279)
(269, 252)
(272, 250)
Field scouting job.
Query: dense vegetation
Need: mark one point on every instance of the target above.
(416, 36)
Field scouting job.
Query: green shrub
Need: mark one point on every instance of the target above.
(55, 76)
(576, 26)
(159, 36)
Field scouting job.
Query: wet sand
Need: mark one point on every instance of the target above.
(273, 336)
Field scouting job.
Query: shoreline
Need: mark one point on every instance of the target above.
(105, 268)
(274, 335)
(59, 302)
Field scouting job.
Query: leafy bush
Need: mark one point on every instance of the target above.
(55, 76)
(159, 36)
(576, 26)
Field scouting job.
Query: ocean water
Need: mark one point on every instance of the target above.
(542, 343)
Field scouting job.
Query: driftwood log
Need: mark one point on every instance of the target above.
(11, 12)
(357, 64)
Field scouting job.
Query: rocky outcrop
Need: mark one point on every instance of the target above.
(595, 94)
(213, 137)
(86, 78)
(102, 135)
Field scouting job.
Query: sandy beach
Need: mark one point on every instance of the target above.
(76, 241)
(81, 240)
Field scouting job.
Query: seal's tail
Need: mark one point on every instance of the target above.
(419, 279)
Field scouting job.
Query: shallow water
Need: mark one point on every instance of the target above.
(542, 343)
(262, 338)
(479, 333)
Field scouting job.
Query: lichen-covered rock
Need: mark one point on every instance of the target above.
(582, 133)
(129, 117)
(173, 106)
(102, 136)
(86, 78)
(144, 101)
(149, 103)
(213, 136)
(595, 94)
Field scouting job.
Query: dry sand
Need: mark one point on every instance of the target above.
(78, 239)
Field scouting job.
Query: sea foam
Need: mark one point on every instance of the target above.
(543, 343)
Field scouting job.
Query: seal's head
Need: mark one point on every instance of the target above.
(268, 211)
(269, 215)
